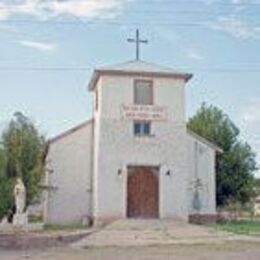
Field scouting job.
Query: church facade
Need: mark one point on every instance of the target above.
(135, 158)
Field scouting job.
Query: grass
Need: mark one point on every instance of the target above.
(51, 227)
(240, 227)
(35, 219)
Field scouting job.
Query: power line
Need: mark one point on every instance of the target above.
(112, 23)
(164, 19)
(103, 22)
(161, 10)
(181, 2)
(249, 14)
(4, 68)
(197, 2)
(167, 4)
(150, 2)
(85, 69)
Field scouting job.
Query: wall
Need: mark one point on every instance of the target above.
(202, 166)
(117, 147)
(70, 164)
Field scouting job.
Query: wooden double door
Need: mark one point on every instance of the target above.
(143, 192)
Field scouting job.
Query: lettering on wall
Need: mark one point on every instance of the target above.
(144, 112)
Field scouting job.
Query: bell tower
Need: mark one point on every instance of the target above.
(139, 116)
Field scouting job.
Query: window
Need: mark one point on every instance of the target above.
(143, 95)
(142, 128)
(143, 92)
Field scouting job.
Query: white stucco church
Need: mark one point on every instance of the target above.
(135, 158)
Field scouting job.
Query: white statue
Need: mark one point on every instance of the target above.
(20, 196)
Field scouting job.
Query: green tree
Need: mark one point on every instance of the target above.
(6, 196)
(25, 150)
(235, 167)
(2, 161)
(257, 187)
(6, 187)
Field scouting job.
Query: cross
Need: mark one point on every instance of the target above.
(137, 41)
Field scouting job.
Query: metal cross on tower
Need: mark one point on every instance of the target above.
(137, 41)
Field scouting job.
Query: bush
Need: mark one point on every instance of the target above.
(6, 196)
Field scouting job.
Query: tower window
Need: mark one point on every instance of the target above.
(142, 128)
(143, 92)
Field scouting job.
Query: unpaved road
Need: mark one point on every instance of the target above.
(237, 251)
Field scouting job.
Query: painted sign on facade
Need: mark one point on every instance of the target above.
(144, 112)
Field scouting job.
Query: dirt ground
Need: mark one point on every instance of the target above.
(221, 251)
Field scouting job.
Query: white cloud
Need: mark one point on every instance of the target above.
(251, 114)
(41, 46)
(55, 8)
(193, 54)
(236, 28)
(232, 24)
(240, 2)
(209, 2)
(90, 9)
(236, 22)
(234, 2)
(175, 39)
(249, 122)
(4, 13)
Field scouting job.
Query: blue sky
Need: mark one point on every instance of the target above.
(49, 49)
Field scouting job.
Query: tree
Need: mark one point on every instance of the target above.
(2, 161)
(6, 197)
(6, 187)
(25, 151)
(235, 167)
(257, 187)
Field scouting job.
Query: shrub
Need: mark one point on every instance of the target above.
(6, 196)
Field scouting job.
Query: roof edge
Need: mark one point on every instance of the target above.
(205, 141)
(99, 72)
(70, 131)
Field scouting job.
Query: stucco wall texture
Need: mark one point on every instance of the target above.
(89, 166)
(118, 147)
(69, 177)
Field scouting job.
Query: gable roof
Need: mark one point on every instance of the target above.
(205, 141)
(137, 68)
(70, 131)
(90, 121)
